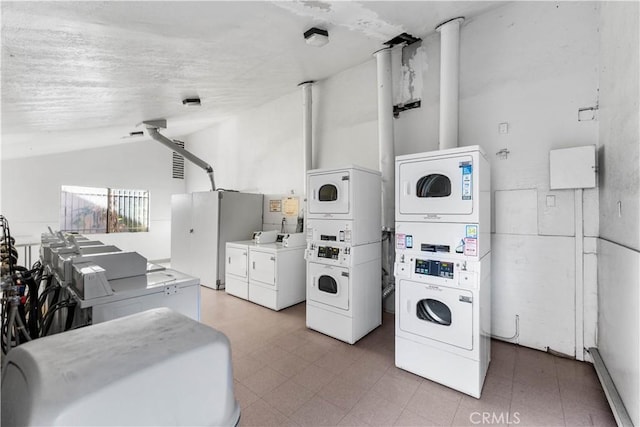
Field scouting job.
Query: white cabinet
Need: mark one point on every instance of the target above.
(276, 275)
(202, 223)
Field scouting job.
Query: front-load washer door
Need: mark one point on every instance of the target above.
(436, 186)
(438, 313)
(329, 193)
(328, 285)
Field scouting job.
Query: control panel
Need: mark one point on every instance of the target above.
(328, 252)
(332, 255)
(435, 268)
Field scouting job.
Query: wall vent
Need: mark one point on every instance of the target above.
(178, 162)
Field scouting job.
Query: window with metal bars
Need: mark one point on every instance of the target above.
(103, 210)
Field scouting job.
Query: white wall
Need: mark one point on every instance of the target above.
(257, 151)
(619, 255)
(261, 149)
(31, 190)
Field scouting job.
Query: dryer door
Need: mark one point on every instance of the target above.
(437, 186)
(438, 313)
(329, 285)
(329, 193)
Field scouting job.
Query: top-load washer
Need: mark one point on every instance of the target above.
(450, 186)
(336, 198)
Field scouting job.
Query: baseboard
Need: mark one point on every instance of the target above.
(615, 402)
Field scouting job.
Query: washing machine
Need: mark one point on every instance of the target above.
(344, 205)
(446, 186)
(237, 268)
(344, 296)
(277, 273)
(443, 319)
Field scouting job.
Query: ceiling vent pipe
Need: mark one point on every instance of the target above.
(152, 127)
(385, 136)
(307, 128)
(449, 81)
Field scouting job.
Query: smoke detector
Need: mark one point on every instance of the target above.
(316, 37)
(191, 102)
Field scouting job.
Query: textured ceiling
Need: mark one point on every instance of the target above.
(83, 74)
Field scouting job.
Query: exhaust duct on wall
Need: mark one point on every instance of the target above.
(385, 137)
(449, 81)
(152, 129)
(307, 130)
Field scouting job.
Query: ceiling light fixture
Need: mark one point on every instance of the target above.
(316, 37)
(191, 102)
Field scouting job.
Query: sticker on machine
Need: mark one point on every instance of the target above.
(400, 241)
(471, 231)
(470, 246)
(467, 171)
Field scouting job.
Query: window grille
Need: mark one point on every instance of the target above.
(103, 210)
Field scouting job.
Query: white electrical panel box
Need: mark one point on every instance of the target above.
(572, 168)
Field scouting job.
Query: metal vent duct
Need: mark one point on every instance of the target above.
(177, 162)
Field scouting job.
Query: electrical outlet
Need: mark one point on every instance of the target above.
(503, 128)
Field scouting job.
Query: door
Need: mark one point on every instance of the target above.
(436, 186)
(329, 193)
(204, 244)
(181, 232)
(438, 313)
(329, 285)
(262, 267)
(237, 260)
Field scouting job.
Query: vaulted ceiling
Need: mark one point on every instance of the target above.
(83, 74)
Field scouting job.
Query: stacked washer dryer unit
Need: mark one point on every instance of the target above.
(443, 267)
(344, 296)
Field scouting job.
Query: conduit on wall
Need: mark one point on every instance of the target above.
(449, 81)
(307, 127)
(385, 137)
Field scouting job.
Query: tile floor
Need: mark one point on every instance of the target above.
(286, 374)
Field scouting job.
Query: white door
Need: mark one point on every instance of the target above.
(262, 267)
(329, 285)
(329, 193)
(436, 186)
(181, 232)
(204, 243)
(237, 259)
(438, 313)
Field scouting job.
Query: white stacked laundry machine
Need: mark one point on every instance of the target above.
(443, 266)
(343, 252)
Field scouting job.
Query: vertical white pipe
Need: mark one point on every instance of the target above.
(307, 127)
(449, 81)
(579, 292)
(385, 136)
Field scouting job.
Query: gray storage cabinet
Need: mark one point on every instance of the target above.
(201, 225)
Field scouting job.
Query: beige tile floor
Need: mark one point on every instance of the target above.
(286, 374)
